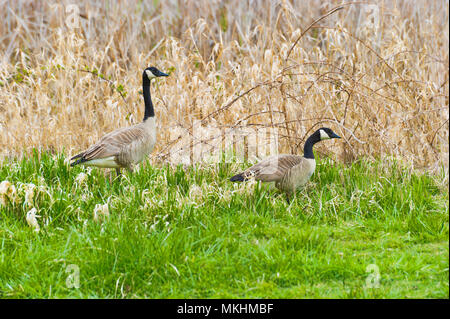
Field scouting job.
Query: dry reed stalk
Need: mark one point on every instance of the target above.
(382, 84)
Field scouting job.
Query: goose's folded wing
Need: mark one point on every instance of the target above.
(273, 168)
(113, 143)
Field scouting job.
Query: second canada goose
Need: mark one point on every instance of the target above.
(125, 147)
(289, 172)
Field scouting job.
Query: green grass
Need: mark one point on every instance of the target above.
(175, 233)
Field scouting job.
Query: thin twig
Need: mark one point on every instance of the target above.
(107, 80)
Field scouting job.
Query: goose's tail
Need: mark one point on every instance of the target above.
(238, 178)
(79, 161)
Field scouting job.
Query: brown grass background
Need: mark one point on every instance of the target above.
(382, 84)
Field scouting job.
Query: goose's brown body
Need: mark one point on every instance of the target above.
(122, 148)
(289, 172)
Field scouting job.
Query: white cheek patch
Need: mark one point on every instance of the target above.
(323, 135)
(150, 75)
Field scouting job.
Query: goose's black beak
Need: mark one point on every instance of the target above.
(334, 135)
(162, 74)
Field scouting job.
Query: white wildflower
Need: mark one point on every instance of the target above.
(30, 190)
(42, 186)
(4, 186)
(32, 219)
(7, 191)
(101, 212)
(81, 178)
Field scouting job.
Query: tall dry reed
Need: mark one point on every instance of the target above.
(375, 72)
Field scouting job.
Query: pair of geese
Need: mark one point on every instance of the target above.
(125, 147)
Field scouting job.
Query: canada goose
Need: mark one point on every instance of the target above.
(289, 172)
(125, 147)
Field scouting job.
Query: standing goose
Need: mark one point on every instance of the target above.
(289, 172)
(125, 147)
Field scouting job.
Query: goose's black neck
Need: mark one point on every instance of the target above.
(308, 148)
(149, 111)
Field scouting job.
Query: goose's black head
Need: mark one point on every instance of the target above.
(325, 133)
(152, 73)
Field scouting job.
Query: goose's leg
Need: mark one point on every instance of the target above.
(288, 198)
(119, 176)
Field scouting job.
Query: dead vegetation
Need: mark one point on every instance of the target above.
(375, 72)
